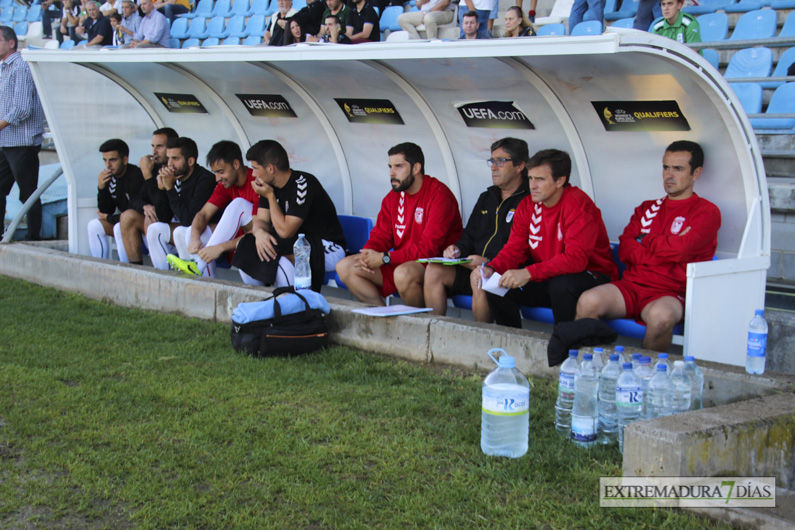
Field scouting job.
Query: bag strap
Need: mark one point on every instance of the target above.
(277, 310)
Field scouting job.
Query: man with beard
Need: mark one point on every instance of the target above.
(130, 231)
(117, 184)
(418, 219)
(187, 187)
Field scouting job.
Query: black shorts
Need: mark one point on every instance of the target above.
(461, 284)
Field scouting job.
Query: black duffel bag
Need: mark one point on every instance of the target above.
(301, 331)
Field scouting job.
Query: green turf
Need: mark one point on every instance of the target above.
(117, 418)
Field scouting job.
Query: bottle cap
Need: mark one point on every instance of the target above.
(645, 359)
(505, 360)
(661, 368)
(627, 366)
(679, 364)
(689, 358)
(573, 353)
(636, 356)
(619, 349)
(614, 357)
(662, 355)
(588, 357)
(598, 350)
(759, 312)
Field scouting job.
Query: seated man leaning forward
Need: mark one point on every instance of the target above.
(290, 202)
(486, 231)
(662, 237)
(235, 197)
(558, 247)
(418, 219)
(117, 185)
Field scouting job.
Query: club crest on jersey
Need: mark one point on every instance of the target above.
(676, 226)
(418, 215)
(509, 217)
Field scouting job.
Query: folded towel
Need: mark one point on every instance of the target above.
(289, 303)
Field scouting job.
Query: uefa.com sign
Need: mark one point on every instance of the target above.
(687, 492)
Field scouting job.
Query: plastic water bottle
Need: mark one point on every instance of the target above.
(505, 419)
(757, 343)
(608, 420)
(645, 373)
(696, 381)
(629, 401)
(565, 394)
(679, 390)
(658, 402)
(635, 361)
(662, 358)
(303, 271)
(622, 358)
(598, 359)
(584, 413)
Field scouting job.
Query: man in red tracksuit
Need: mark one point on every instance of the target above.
(561, 232)
(418, 219)
(662, 237)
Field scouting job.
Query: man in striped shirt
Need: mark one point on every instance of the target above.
(21, 129)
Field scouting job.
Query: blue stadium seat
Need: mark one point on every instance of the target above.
(389, 18)
(239, 7)
(197, 29)
(627, 23)
(636, 330)
(784, 62)
(587, 27)
(714, 26)
(712, 56)
(629, 8)
(20, 14)
(255, 26)
(750, 96)
(252, 40)
(188, 43)
(750, 62)
(743, 6)
(707, 6)
(760, 24)
(67, 44)
(552, 29)
(21, 29)
(236, 27)
(216, 27)
(788, 29)
(220, 9)
(610, 10)
(231, 41)
(173, 42)
(782, 4)
(179, 29)
(263, 7)
(211, 41)
(6, 15)
(203, 8)
(357, 232)
(783, 101)
(34, 13)
(6, 3)
(298, 5)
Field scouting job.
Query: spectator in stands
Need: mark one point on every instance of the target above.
(648, 12)
(274, 33)
(110, 7)
(235, 197)
(21, 130)
(335, 33)
(291, 202)
(432, 13)
(595, 9)
(531, 13)
(662, 237)
(96, 28)
(172, 8)
(486, 231)
(48, 15)
(187, 187)
(341, 11)
(115, 24)
(296, 32)
(516, 24)
(483, 8)
(676, 24)
(363, 25)
(149, 206)
(418, 219)
(153, 30)
(470, 26)
(117, 184)
(311, 16)
(559, 231)
(130, 21)
(70, 21)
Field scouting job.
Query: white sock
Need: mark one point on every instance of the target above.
(158, 236)
(120, 250)
(181, 241)
(236, 215)
(205, 269)
(97, 239)
(285, 274)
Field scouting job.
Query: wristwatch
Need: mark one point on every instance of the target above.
(386, 259)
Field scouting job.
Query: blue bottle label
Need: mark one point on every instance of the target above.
(506, 400)
(566, 384)
(583, 428)
(629, 396)
(757, 344)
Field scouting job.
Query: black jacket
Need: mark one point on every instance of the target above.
(118, 193)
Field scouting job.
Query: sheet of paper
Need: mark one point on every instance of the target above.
(445, 261)
(391, 310)
(492, 284)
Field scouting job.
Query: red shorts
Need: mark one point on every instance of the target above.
(637, 296)
(388, 283)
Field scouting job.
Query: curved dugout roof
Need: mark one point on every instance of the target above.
(613, 101)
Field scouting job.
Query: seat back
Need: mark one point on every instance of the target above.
(236, 26)
(179, 29)
(714, 26)
(231, 41)
(356, 230)
(211, 41)
(67, 44)
(221, 8)
(193, 41)
(239, 7)
(552, 29)
(197, 29)
(627, 23)
(21, 29)
(588, 27)
(750, 62)
(256, 26)
(759, 24)
(788, 29)
(252, 40)
(750, 96)
(215, 28)
(34, 13)
(389, 18)
(712, 56)
(20, 14)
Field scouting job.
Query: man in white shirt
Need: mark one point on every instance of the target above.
(432, 13)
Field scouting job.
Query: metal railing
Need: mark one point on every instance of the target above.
(25, 207)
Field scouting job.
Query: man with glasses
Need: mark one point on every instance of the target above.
(558, 247)
(486, 232)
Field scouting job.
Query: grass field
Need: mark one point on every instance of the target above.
(116, 418)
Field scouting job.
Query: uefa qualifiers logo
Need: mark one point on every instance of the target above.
(687, 492)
